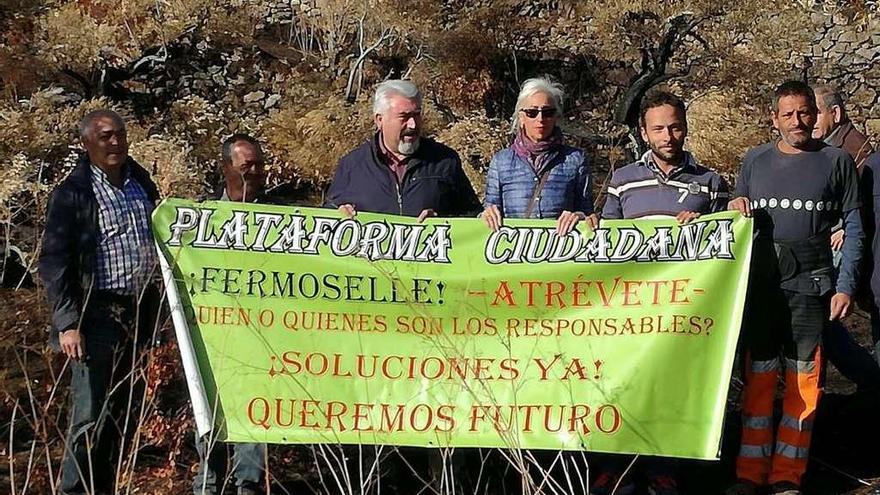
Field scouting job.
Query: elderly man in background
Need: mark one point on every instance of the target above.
(835, 129)
(244, 181)
(97, 262)
(399, 171)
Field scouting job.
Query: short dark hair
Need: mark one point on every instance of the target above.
(656, 99)
(793, 88)
(85, 123)
(229, 142)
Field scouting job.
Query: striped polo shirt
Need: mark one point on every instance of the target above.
(641, 189)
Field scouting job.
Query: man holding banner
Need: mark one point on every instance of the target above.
(665, 181)
(244, 181)
(398, 171)
(792, 293)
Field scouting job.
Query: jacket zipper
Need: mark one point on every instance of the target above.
(399, 197)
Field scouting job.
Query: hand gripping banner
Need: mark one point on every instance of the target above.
(298, 326)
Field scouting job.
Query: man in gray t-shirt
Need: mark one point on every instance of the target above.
(798, 195)
(798, 188)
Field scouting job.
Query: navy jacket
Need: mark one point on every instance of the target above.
(434, 179)
(70, 242)
(870, 185)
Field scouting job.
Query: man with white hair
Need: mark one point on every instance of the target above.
(398, 171)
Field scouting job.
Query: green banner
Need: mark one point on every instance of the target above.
(298, 326)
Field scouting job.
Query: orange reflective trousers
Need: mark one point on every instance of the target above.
(792, 342)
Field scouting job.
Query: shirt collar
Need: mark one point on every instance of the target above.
(101, 176)
(688, 164)
(838, 135)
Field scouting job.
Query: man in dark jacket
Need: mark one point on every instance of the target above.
(834, 128)
(871, 198)
(96, 263)
(398, 171)
(244, 181)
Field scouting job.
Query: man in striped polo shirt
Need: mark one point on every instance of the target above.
(96, 263)
(665, 181)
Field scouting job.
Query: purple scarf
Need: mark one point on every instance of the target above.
(538, 154)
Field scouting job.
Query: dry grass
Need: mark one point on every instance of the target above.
(159, 457)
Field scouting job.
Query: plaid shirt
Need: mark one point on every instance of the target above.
(126, 255)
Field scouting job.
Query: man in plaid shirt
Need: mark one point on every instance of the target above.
(96, 262)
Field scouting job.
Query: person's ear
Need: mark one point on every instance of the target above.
(644, 133)
(838, 114)
(378, 121)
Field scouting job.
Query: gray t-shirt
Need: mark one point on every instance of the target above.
(798, 196)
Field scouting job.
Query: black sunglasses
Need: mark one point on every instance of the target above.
(545, 112)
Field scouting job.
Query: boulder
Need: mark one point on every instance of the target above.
(254, 96)
(271, 101)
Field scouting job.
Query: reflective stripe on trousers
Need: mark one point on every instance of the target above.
(796, 425)
(756, 449)
(758, 461)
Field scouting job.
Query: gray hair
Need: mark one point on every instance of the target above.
(828, 96)
(86, 123)
(530, 87)
(394, 87)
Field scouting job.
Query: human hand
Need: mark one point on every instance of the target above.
(492, 217)
(348, 210)
(427, 212)
(741, 204)
(837, 240)
(841, 306)
(72, 343)
(567, 221)
(684, 217)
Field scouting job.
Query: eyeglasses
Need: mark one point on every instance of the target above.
(545, 112)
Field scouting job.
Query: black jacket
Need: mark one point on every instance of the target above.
(70, 242)
(434, 179)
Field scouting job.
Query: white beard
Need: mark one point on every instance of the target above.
(408, 148)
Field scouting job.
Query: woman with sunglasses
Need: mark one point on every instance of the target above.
(539, 176)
